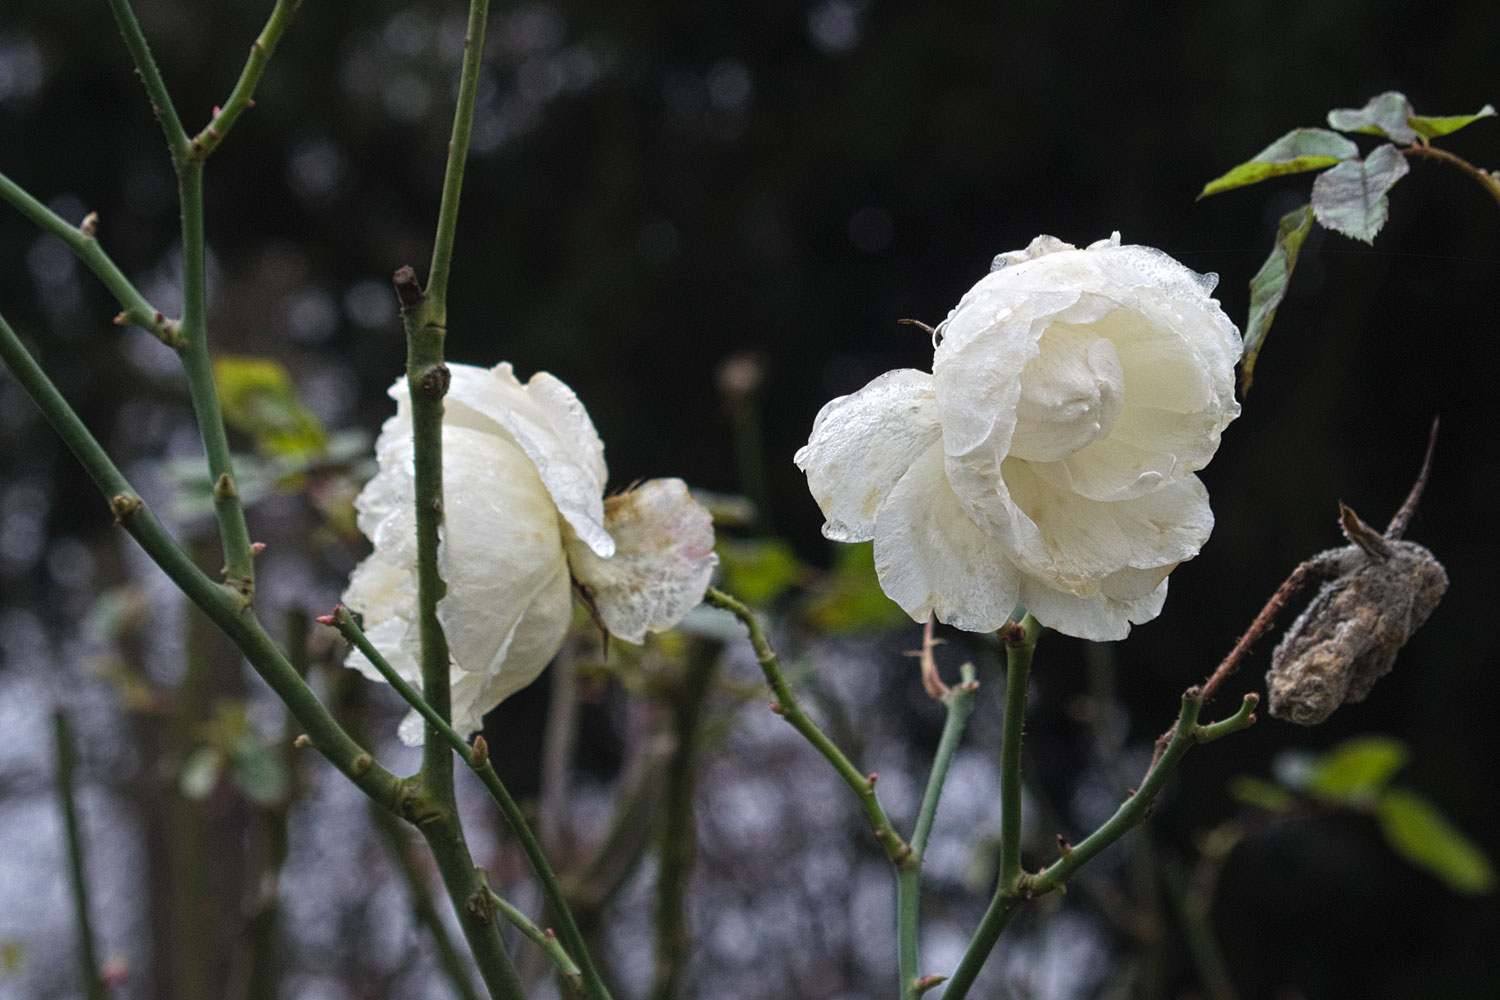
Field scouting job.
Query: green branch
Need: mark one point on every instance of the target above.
(458, 152)
(959, 702)
(477, 757)
(82, 240)
(545, 940)
(787, 706)
(242, 96)
(88, 963)
(156, 88)
(220, 603)
(1010, 886)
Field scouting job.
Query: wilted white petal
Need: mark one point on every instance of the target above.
(862, 443)
(664, 557)
(1098, 617)
(502, 547)
(571, 468)
(931, 559)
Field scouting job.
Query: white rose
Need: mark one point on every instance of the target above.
(524, 512)
(1048, 459)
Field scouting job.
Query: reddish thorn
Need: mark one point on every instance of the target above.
(256, 548)
(122, 320)
(325, 619)
(776, 707)
(217, 111)
(213, 131)
(250, 103)
(550, 933)
(159, 317)
(871, 778)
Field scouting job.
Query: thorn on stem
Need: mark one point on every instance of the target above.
(361, 764)
(122, 319)
(479, 752)
(926, 983)
(325, 620)
(122, 505)
(870, 780)
(776, 707)
(90, 224)
(550, 932)
(1064, 846)
(256, 548)
(302, 742)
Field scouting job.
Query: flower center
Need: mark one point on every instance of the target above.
(1071, 394)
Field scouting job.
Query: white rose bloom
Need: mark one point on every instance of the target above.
(1048, 459)
(524, 511)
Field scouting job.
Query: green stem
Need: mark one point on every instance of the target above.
(678, 832)
(1133, 810)
(156, 88)
(1010, 890)
(959, 702)
(242, 96)
(1488, 180)
(221, 604)
(88, 962)
(458, 151)
(477, 757)
(545, 940)
(427, 382)
(787, 707)
(423, 907)
(82, 241)
(1019, 647)
(239, 558)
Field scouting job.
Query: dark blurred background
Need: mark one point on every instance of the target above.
(656, 187)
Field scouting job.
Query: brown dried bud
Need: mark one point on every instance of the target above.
(1349, 635)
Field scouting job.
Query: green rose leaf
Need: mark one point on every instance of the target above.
(1350, 198)
(200, 773)
(1358, 769)
(1385, 114)
(1299, 150)
(1429, 127)
(1268, 287)
(259, 400)
(1423, 836)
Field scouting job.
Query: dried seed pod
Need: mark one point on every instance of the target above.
(1377, 591)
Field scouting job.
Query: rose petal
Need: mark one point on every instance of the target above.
(931, 559)
(664, 557)
(502, 548)
(1099, 618)
(1086, 540)
(571, 467)
(861, 444)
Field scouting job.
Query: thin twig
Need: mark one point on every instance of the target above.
(787, 706)
(243, 95)
(1484, 178)
(88, 963)
(1402, 518)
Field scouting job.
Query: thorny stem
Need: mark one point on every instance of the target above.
(242, 96)
(156, 88)
(83, 241)
(1186, 734)
(217, 601)
(477, 757)
(1489, 180)
(239, 565)
(787, 706)
(88, 963)
(959, 701)
(458, 151)
(1020, 644)
(545, 940)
